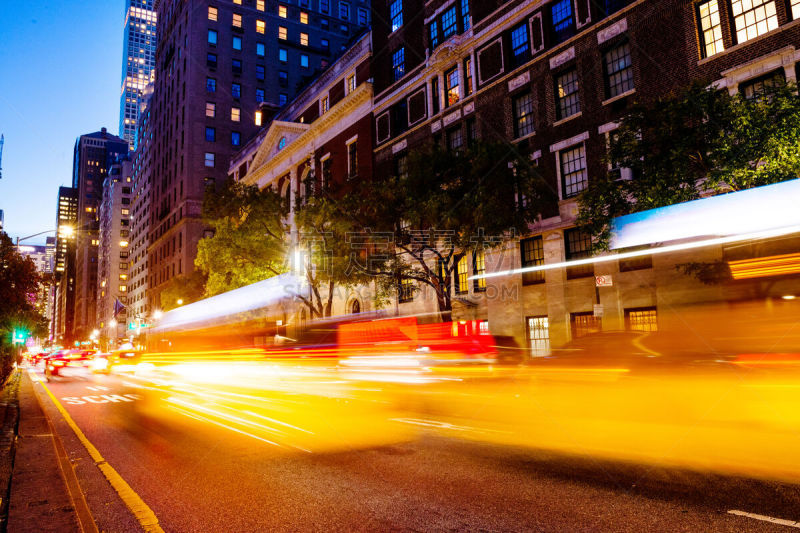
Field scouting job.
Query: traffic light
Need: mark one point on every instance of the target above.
(19, 336)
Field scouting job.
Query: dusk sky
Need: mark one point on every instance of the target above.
(60, 71)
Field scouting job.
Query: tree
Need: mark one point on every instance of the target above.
(448, 205)
(692, 143)
(250, 237)
(186, 288)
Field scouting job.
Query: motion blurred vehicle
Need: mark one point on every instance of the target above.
(68, 363)
(120, 360)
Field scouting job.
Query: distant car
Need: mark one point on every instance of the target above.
(67, 362)
(122, 360)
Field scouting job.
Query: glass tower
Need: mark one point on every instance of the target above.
(138, 61)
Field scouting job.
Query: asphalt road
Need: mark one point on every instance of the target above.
(196, 478)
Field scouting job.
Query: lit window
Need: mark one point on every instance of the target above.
(260, 5)
(237, 20)
(325, 104)
(212, 13)
(523, 115)
(212, 37)
(258, 118)
(303, 17)
(399, 63)
(282, 12)
(303, 60)
(449, 26)
(618, 70)
(238, 2)
(462, 273)
(123, 277)
(283, 55)
(710, 28)
(396, 14)
(573, 170)
(126, 211)
(235, 114)
(405, 292)
(539, 336)
(568, 103)
(123, 244)
(282, 32)
(468, 76)
(260, 49)
(641, 319)
(532, 254)
(123, 288)
(795, 9)
(351, 83)
(209, 159)
(753, 18)
(261, 26)
(304, 39)
(452, 86)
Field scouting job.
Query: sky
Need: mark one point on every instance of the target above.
(60, 77)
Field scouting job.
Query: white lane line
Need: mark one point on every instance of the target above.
(780, 521)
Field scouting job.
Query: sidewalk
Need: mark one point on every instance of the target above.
(39, 500)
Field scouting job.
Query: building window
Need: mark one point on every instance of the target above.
(212, 13)
(795, 9)
(401, 166)
(209, 160)
(212, 37)
(236, 114)
(237, 43)
(396, 14)
(399, 63)
(462, 273)
(405, 291)
(434, 95)
(434, 29)
(283, 33)
(573, 170)
(211, 134)
(523, 115)
(753, 18)
(211, 85)
(351, 83)
(578, 245)
(236, 90)
(282, 99)
(761, 87)
(260, 49)
(282, 12)
(363, 18)
(303, 17)
(237, 20)
(344, 10)
(260, 5)
(259, 95)
(710, 28)
(472, 131)
(479, 269)
(455, 139)
(352, 159)
(283, 78)
(563, 23)
(236, 138)
(618, 70)
(532, 254)
(211, 60)
(303, 60)
(538, 336)
(582, 324)
(304, 39)
(641, 319)
(326, 172)
(283, 55)
(260, 72)
(468, 76)
(452, 86)
(236, 66)
(325, 6)
(567, 100)
(449, 23)
(465, 14)
(326, 105)
(257, 118)
(261, 26)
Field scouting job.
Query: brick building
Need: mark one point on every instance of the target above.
(217, 62)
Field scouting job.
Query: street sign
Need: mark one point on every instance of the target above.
(598, 310)
(603, 281)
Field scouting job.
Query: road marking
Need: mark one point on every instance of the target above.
(102, 398)
(780, 521)
(146, 517)
(97, 388)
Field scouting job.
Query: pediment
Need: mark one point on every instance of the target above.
(270, 146)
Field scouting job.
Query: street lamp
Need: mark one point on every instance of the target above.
(157, 314)
(180, 301)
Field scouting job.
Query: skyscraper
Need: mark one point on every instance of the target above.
(64, 297)
(217, 64)
(94, 153)
(138, 61)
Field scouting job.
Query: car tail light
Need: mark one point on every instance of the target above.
(58, 363)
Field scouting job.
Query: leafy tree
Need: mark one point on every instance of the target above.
(692, 143)
(187, 287)
(249, 242)
(449, 204)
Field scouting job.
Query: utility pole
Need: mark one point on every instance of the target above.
(2, 140)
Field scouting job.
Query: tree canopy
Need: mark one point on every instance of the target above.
(19, 286)
(692, 143)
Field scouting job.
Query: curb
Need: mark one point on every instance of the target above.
(8, 436)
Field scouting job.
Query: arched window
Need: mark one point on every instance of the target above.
(281, 143)
(355, 307)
